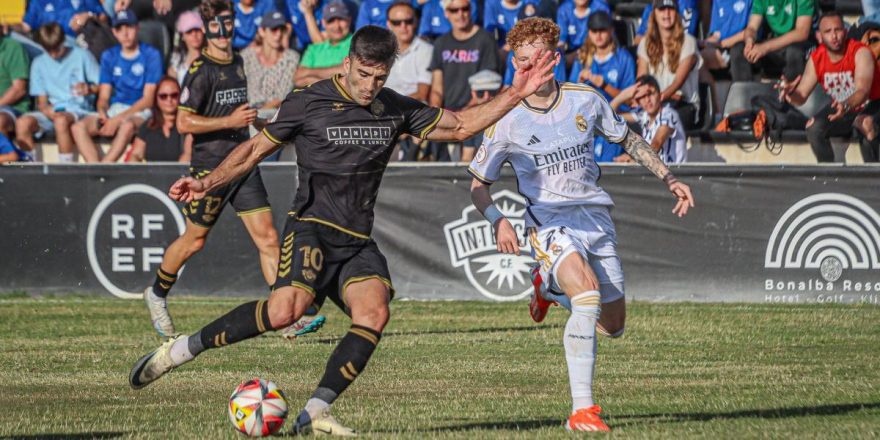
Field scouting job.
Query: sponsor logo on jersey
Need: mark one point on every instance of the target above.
(231, 96)
(826, 242)
(534, 140)
(471, 242)
(127, 235)
(359, 135)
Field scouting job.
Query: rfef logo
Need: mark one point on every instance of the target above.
(471, 241)
(127, 236)
(831, 232)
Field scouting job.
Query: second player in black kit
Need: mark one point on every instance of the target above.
(342, 151)
(215, 88)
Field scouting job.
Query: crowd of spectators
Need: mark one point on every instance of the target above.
(83, 71)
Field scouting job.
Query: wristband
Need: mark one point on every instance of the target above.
(493, 214)
(669, 179)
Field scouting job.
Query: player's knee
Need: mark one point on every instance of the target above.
(196, 245)
(268, 240)
(375, 317)
(287, 305)
(61, 122)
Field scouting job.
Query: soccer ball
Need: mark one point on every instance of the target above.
(257, 408)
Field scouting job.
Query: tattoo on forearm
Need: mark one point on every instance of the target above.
(644, 155)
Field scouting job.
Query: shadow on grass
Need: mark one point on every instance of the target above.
(770, 413)
(74, 436)
(445, 331)
(639, 419)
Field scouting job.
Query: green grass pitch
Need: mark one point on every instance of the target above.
(456, 370)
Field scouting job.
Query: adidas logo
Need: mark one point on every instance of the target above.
(534, 140)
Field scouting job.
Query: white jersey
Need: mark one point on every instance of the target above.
(551, 150)
(674, 150)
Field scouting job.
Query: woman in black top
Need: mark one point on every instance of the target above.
(158, 140)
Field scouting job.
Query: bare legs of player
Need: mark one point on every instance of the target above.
(262, 231)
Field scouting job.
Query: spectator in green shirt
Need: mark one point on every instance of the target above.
(14, 71)
(323, 60)
(785, 49)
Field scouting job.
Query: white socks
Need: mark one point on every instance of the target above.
(580, 347)
(180, 352)
(314, 406)
(65, 157)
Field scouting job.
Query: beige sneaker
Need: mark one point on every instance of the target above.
(323, 424)
(152, 366)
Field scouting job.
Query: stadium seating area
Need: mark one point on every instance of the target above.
(704, 142)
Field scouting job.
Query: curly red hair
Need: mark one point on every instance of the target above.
(533, 29)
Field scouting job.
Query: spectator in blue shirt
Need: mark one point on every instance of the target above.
(11, 153)
(129, 74)
(434, 22)
(70, 14)
(374, 12)
(500, 16)
(248, 14)
(605, 65)
(306, 16)
(687, 9)
(63, 82)
(572, 17)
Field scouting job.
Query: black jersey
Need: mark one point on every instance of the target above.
(214, 88)
(343, 149)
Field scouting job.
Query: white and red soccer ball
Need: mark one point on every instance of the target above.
(257, 408)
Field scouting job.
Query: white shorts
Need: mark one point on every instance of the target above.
(587, 231)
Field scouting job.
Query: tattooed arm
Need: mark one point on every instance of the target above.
(645, 156)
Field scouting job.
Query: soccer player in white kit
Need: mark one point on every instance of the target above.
(548, 139)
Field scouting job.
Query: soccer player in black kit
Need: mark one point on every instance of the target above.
(214, 109)
(344, 130)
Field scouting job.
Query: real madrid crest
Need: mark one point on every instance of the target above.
(377, 107)
(580, 123)
(481, 154)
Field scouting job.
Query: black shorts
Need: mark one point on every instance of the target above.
(324, 260)
(247, 195)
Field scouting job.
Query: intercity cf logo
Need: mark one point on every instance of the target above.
(471, 241)
(830, 232)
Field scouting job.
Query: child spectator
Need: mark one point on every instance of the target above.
(268, 65)
(660, 124)
(63, 82)
(790, 22)
(248, 14)
(14, 66)
(323, 60)
(158, 140)
(434, 22)
(670, 55)
(129, 74)
(192, 40)
(10, 153)
(687, 11)
(603, 64)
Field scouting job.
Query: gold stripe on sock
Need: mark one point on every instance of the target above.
(365, 334)
(261, 326)
(216, 340)
(171, 278)
(345, 373)
(223, 339)
(351, 369)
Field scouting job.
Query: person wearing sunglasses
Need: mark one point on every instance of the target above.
(158, 140)
(845, 69)
(214, 110)
(458, 55)
(130, 72)
(433, 22)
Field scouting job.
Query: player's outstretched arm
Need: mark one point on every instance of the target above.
(645, 156)
(459, 126)
(241, 160)
(505, 236)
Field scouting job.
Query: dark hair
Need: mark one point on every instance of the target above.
(648, 80)
(157, 120)
(50, 36)
(830, 14)
(209, 9)
(374, 45)
(401, 3)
